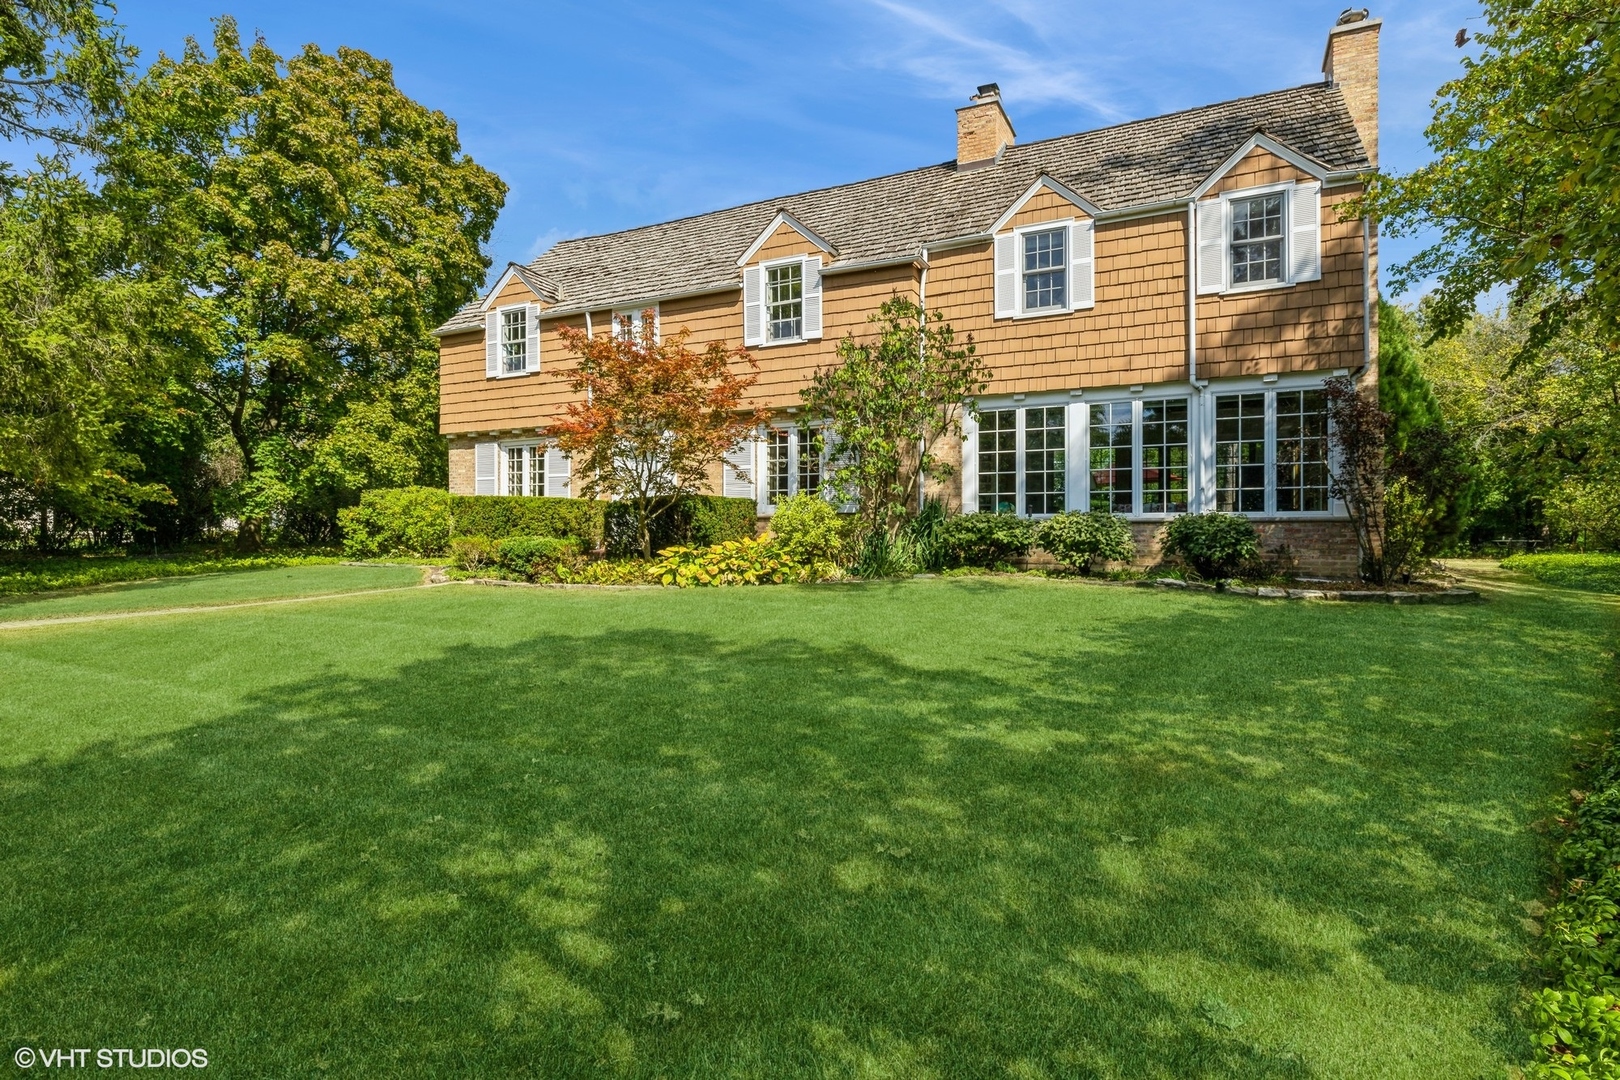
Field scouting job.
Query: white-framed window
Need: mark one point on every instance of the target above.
(794, 464)
(1260, 238)
(515, 340)
(531, 468)
(1046, 465)
(784, 301)
(1271, 452)
(1021, 461)
(1045, 269)
(1139, 459)
(511, 341)
(627, 322)
(997, 452)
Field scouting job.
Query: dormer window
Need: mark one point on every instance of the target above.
(511, 340)
(1257, 239)
(514, 341)
(1044, 270)
(784, 301)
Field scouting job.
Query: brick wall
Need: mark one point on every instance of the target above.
(463, 468)
(1315, 548)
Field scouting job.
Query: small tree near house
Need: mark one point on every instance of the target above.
(888, 404)
(654, 416)
(1388, 514)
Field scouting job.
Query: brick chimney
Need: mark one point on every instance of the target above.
(982, 128)
(1351, 64)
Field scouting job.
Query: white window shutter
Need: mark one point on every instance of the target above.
(737, 481)
(557, 473)
(753, 305)
(1305, 232)
(531, 351)
(492, 343)
(812, 298)
(486, 463)
(1006, 276)
(1211, 246)
(1082, 265)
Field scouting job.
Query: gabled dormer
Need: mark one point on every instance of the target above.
(781, 273)
(1260, 219)
(511, 313)
(1044, 253)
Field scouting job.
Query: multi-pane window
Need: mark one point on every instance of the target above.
(778, 471)
(998, 461)
(1240, 453)
(1044, 270)
(1044, 464)
(1110, 464)
(514, 341)
(1257, 244)
(1302, 468)
(809, 462)
(784, 301)
(525, 471)
(1164, 456)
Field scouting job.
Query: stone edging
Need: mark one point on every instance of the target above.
(1349, 596)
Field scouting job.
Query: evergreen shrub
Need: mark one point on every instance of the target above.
(1079, 538)
(985, 540)
(1215, 545)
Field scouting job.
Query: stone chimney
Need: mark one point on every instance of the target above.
(1351, 64)
(982, 128)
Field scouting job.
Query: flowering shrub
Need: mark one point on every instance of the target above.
(751, 561)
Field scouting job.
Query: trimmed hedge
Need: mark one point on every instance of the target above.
(422, 521)
(986, 540)
(693, 521)
(1576, 1019)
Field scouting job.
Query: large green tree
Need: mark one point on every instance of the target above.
(62, 63)
(320, 223)
(1525, 188)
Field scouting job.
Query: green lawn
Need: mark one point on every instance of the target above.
(948, 828)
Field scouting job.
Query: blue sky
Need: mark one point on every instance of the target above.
(607, 114)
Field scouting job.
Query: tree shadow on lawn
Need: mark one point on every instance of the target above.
(656, 853)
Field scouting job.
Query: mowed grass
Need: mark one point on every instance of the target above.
(951, 828)
(206, 590)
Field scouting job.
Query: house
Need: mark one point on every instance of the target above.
(1160, 302)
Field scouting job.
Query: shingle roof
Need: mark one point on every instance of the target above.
(1128, 165)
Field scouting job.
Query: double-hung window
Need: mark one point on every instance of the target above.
(1257, 239)
(1045, 270)
(784, 301)
(1271, 453)
(515, 340)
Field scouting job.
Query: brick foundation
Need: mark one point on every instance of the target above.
(463, 468)
(1325, 549)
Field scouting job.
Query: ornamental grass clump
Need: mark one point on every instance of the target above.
(1215, 545)
(1079, 539)
(751, 561)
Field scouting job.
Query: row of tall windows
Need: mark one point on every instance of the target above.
(1270, 456)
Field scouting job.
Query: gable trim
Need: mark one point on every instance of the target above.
(784, 218)
(1047, 182)
(1261, 141)
(513, 271)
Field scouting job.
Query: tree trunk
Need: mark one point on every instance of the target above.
(249, 535)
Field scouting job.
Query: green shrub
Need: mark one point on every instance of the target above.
(1595, 573)
(1576, 1020)
(883, 556)
(749, 561)
(472, 553)
(692, 521)
(926, 532)
(539, 558)
(986, 540)
(1215, 545)
(1079, 538)
(421, 521)
(500, 516)
(809, 530)
(397, 521)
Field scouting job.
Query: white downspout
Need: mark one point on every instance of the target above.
(922, 302)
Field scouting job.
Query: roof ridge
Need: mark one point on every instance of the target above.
(924, 168)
